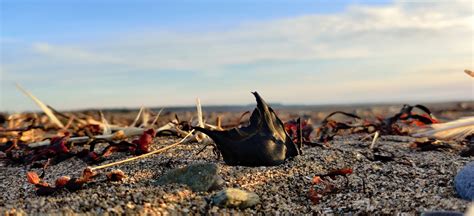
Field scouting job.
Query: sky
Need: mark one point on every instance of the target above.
(78, 54)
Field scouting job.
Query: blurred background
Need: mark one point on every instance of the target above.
(126, 54)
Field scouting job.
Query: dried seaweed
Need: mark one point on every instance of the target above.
(61, 149)
(384, 126)
(321, 187)
(64, 182)
(263, 143)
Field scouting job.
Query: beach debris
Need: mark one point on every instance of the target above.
(329, 128)
(457, 129)
(74, 184)
(43, 107)
(262, 143)
(60, 149)
(200, 177)
(464, 182)
(300, 128)
(92, 157)
(134, 123)
(115, 175)
(143, 155)
(235, 198)
(155, 120)
(201, 137)
(394, 125)
(321, 187)
(175, 128)
(374, 140)
(107, 130)
(71, 184)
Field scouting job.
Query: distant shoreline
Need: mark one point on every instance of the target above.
(278, 106)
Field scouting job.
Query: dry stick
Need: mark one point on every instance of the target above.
(138, 117)
(199, 112)
(376, 136)
(143, 155)
(219, 123)
(157, 116)
(199, 137)
(107, 129)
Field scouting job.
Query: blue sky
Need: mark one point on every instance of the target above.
(83, 54)
(76, 20)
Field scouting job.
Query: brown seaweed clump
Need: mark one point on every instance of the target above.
(264, 142)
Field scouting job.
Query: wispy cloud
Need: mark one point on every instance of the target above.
(402, 51)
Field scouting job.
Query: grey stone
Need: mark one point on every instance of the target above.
(464, 182)
(235, 198)
(199, 177)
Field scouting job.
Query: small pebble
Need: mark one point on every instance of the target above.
(235, 198)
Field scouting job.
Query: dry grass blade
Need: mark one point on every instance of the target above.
(376, 136)
(69, 122)
(200, 137)
(456, 129)
(199, 112)
(145, 118)
(157, 117)
(143, 155)
(107, 129)
(138, 117)
(43, 107)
